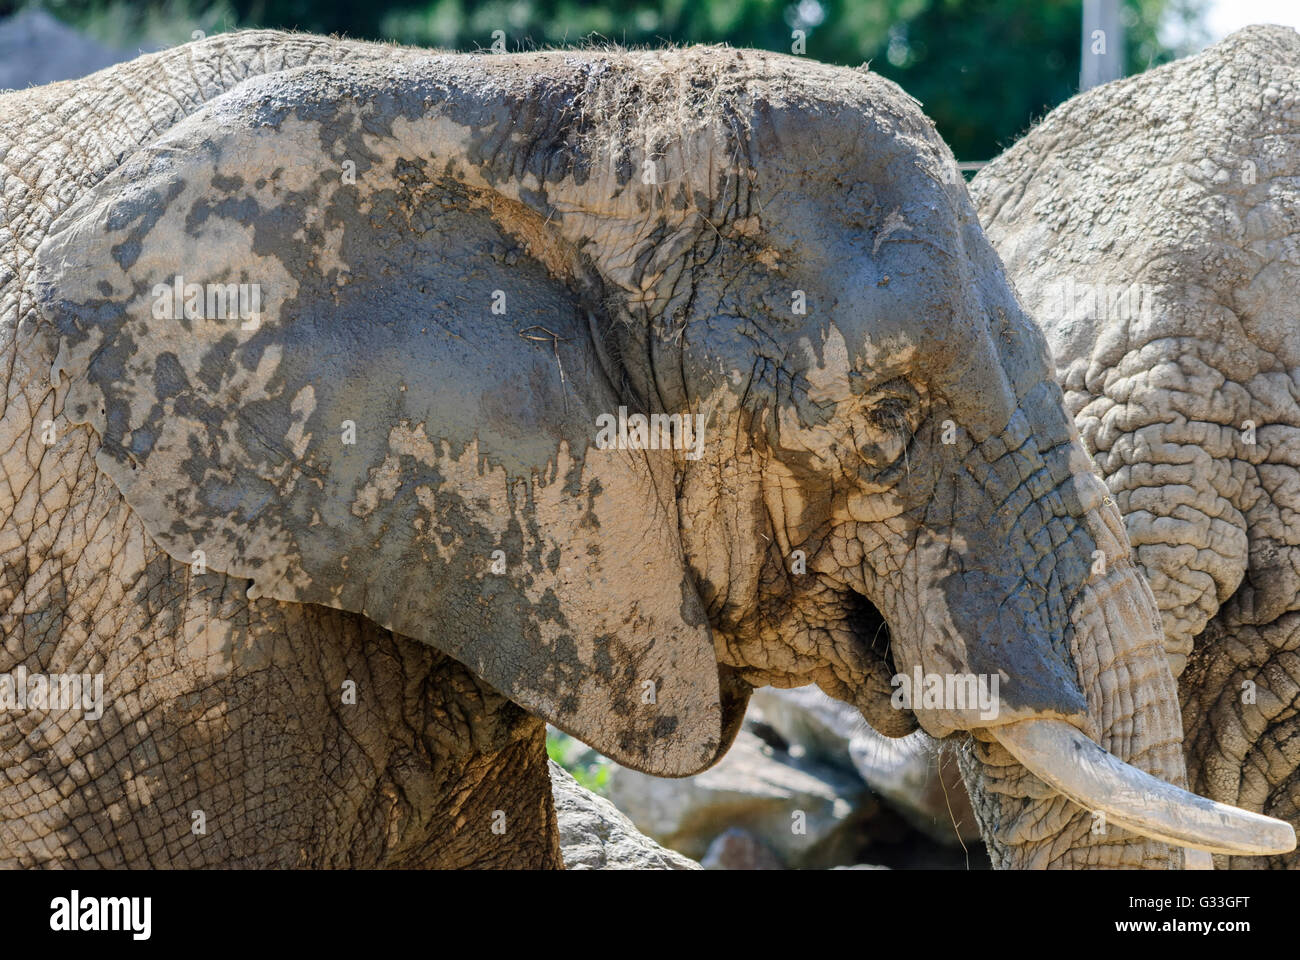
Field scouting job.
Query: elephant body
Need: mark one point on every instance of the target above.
(339, 551)
(1151, 225)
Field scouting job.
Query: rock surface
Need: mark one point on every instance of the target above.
(806, 812)
(595, 836)
(919, 782)
(737, 849)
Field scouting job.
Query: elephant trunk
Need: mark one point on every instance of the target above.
(1020, 579)
(1038, 786)
(1106, 789)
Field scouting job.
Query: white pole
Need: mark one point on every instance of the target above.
(1103, 43)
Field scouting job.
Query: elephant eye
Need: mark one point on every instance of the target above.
(890, 413)
(892, 416)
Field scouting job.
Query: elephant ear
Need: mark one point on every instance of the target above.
(321, 354)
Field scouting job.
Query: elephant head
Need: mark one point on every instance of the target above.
(632, 381)
(1151, 227)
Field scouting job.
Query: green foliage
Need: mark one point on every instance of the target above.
(587, 766)
(983, 69)
(127, 25)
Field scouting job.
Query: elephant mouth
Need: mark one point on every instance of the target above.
(874, 698)
(1076, 767)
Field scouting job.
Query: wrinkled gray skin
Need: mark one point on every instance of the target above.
(200, 532)
(1184, 179)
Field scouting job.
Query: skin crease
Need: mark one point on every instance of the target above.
(1179, 185)
(667, 291)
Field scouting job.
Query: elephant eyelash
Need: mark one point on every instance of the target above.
(891, 423)
(891, 414)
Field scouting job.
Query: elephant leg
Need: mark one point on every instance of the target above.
(500, 813)
(1241, 716)
(472, 789)
(265, 734)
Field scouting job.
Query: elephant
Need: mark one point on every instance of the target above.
(1151, 225)
(367, 407)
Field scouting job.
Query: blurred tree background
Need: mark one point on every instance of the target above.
(984, 69)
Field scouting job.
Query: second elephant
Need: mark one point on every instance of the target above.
(1152, 226)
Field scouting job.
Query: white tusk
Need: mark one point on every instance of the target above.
(1067, 761)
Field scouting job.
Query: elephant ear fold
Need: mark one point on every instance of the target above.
(368, 392)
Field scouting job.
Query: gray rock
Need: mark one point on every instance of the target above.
(806, 717)
(861, 866)
(919, 782)
(35, 49)
(595, 836)
(807, 813)
(737, 849)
